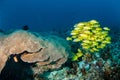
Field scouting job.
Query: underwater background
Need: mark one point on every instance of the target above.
(59, 39)
(45, 15)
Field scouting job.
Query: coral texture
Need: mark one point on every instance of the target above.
(53, 50)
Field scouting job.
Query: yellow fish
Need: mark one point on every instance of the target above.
(74, 58)
(68, 38)
(106, 28)
(76, 40)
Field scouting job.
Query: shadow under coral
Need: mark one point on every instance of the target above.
(16, 70)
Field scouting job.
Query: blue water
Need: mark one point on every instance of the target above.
(57, 15)
(46, 15)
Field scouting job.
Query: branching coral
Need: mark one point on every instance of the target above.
(91, 36)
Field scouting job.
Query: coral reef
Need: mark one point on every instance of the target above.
(47, 52)
(28, 55)
(104, 65)
(98, 70)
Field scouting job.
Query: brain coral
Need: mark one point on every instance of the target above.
(54, 50)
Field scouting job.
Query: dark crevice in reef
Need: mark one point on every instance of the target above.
(16, 70)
